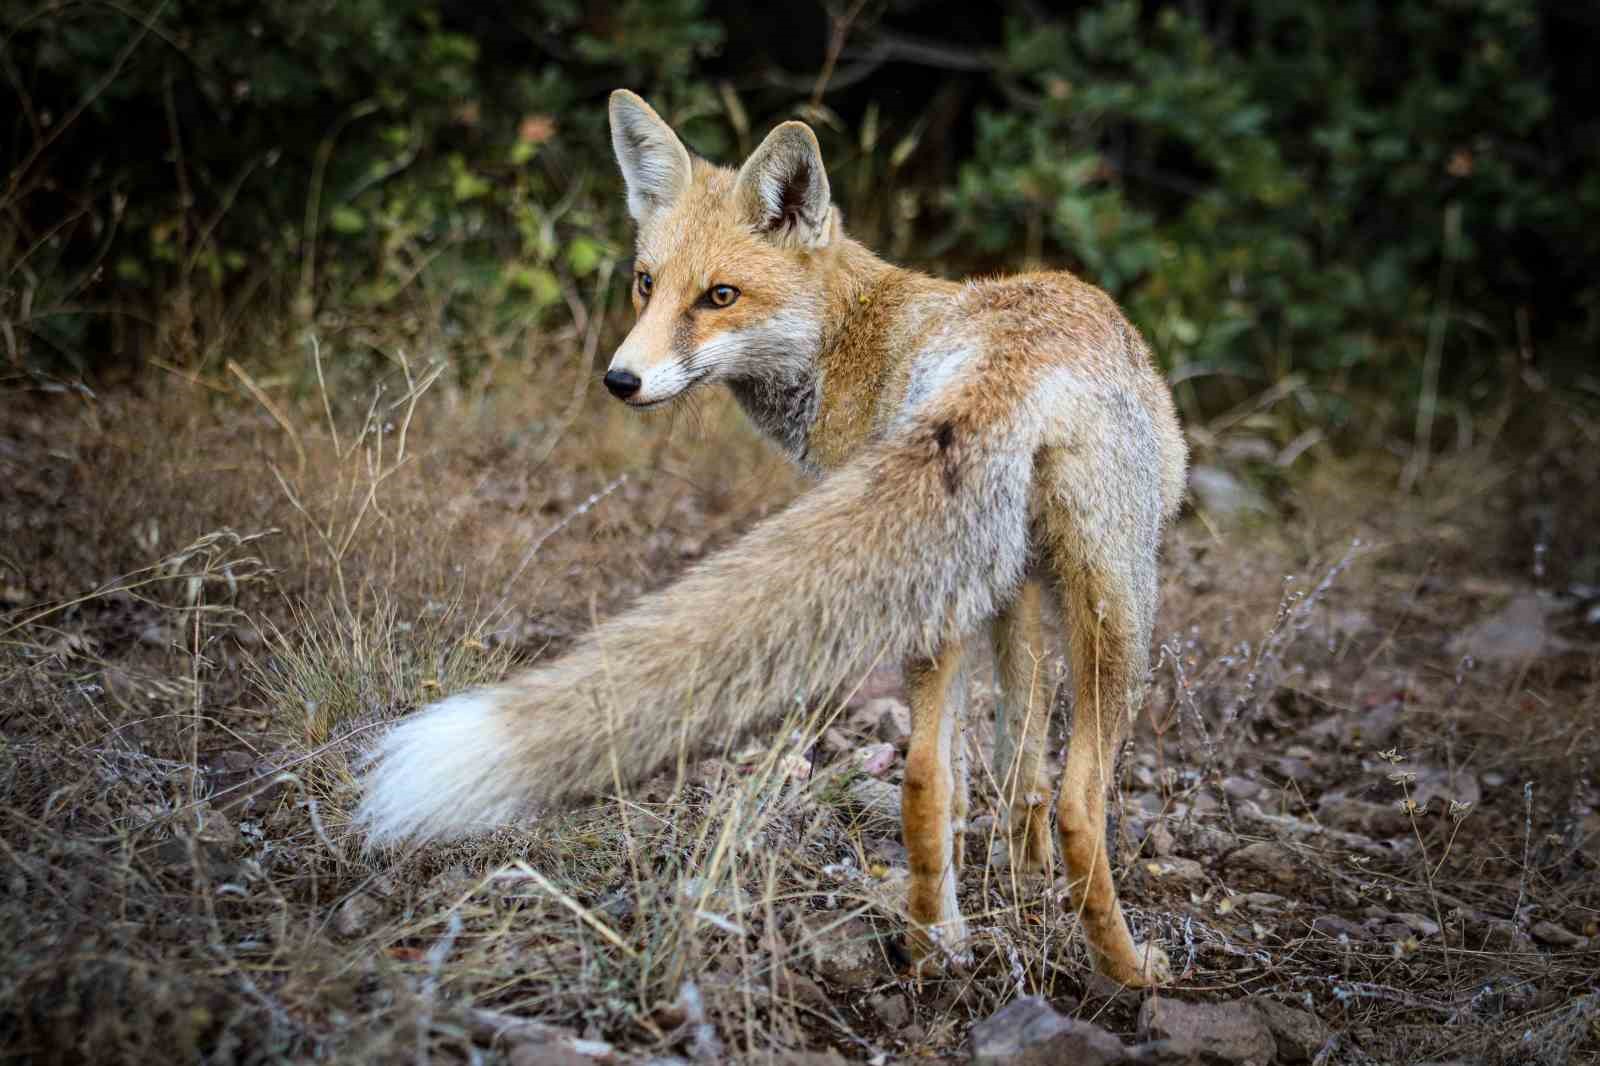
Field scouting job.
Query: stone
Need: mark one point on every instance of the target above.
(891, 1009)
(1234, 1031)
(1222, 495)
(1241, 787)
(1176, 871)
(1299, 1033)
(1338, 811)
(1331, 925)
(1517, 632)
(354, 917)
(1264, 859)
(875, 798)
(1292, 768)
(847, 956)
(801, 990)
(890, 720)
(1030, 1032)
(1160, 838)
(1553, 935)
(1436, 787)
(546, 1055)
(1419, 924)
(875, 758)
(835, 742)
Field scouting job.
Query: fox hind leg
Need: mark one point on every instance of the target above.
(1102, 548)
(1022, 723)
(929, 805)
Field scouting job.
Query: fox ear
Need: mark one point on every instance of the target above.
(783, 188)
(655, 164)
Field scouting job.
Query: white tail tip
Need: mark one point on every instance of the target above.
(447, 771)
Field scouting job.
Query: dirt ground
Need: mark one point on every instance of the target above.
(1366, 787)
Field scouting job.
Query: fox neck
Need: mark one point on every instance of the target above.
(820, 405)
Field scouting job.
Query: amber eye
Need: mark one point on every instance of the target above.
(646, 284)
(721, 295)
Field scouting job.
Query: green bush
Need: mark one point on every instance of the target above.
(1295, 187)
(303, 147)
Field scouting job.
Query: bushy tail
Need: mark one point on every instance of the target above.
(920, 537)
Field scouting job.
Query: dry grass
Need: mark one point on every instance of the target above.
(310, 553)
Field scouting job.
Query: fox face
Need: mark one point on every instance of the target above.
(727, 279)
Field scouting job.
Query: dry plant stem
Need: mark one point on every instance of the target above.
(322, 391)
(533, 549)
(100, 86)
(839, 33)
(589, 324)
(313, 220)
(260, 396)
(1429, 401)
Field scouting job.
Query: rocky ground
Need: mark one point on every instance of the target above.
(1361, 812)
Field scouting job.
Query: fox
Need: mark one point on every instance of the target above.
(978, 447)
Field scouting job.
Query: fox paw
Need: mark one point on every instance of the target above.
(940, 949)
(1155, 968)
(1146, 967)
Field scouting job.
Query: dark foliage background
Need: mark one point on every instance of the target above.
(1370, 205)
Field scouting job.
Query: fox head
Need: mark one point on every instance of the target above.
(728, 266)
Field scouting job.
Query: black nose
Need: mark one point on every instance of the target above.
(622, 384)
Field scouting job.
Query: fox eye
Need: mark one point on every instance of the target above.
(646, 284)
(721, 295)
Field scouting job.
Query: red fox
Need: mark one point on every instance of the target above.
(981, 445)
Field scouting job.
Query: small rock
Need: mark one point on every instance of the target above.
(1201, 839)
(891, 1009)
(1030, 1032)
(1547, 932)
(801, 990)
(1519, 631)
(1223, 495)
(1374, 728)
(875, 798)
(1484, 933)
(546, 1055)
(835, 742)
(355, 915)
(1291, 768)
(848, 955)
(1334, 926)
(1234, 1031)
(1241, 787)
(1438, 783)
(1339, 811)
(1264, 859)
(1299, 1033)
(1177, 871)
(891, 720)
(1419, 924)
(875, 759)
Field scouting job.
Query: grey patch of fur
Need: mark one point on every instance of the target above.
(783, 408)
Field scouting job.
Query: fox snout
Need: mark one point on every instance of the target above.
(643, 374)
(622, 383)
